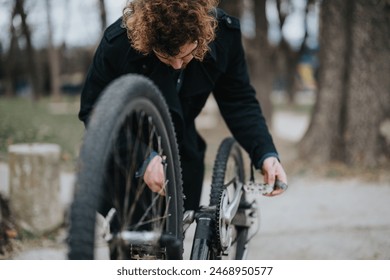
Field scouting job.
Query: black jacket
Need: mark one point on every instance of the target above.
(223, 73)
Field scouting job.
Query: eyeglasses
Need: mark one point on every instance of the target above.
(171, 58)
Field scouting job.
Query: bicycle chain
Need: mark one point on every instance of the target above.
(218, 219)
(251, 188)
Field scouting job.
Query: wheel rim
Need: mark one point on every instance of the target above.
(145, 210)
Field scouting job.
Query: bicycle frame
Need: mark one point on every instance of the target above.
(205, 219)
(113, 150)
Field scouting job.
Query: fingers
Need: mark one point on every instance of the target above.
(154, 176)
(270, 166)
(277, 189)
(274, 172)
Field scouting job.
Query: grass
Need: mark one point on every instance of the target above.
(24, 121)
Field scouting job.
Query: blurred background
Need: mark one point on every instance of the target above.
(320, 68)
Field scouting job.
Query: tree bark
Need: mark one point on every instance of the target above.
(10, 62)
(368, 101)
(103, 15)
(292, 56)
(353, 98)
(54, 63)
(260, 55)
(31, 56)
(232, 7)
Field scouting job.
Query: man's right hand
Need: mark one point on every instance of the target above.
(272, 171)
(154, 175)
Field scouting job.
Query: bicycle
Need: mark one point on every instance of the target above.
(130, 122)
(226, 226)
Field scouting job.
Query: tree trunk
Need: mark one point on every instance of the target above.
(292, 56)
(103, 15)
(368, 101)
(54, 63)
(353, 99)
(31, 57)
(290, 63)
(10, 63)
(260, 57)
(232, 7)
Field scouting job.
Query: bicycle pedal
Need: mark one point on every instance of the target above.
(255, 188)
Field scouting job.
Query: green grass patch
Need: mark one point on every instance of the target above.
(25, 121)
(295, 108)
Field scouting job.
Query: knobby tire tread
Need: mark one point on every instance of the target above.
(97, 140)
(227, 148)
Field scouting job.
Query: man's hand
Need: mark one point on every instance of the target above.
(154, 176)
(272, 170)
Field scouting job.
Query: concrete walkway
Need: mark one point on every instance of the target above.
(327, 219)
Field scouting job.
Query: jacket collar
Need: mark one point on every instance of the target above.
(135, 55)
(212, 53)
(195, 72)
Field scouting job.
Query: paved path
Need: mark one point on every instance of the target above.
(327, 219)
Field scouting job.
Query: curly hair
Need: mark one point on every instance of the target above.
(167, 25)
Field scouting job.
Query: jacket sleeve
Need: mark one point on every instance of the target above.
(103, 69)
(237, 100)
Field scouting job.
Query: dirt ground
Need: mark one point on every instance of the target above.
(328, 212)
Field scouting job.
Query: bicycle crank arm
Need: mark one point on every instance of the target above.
(230, 210)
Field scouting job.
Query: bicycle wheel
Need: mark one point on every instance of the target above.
(130, 121)
(228, 173)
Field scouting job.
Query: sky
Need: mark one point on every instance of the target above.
(77, 22)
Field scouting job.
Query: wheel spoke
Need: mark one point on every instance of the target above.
(130, 120)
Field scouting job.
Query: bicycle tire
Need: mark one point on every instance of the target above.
(228, 159)
(130, 120)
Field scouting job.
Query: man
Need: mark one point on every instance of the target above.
(189, 49)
